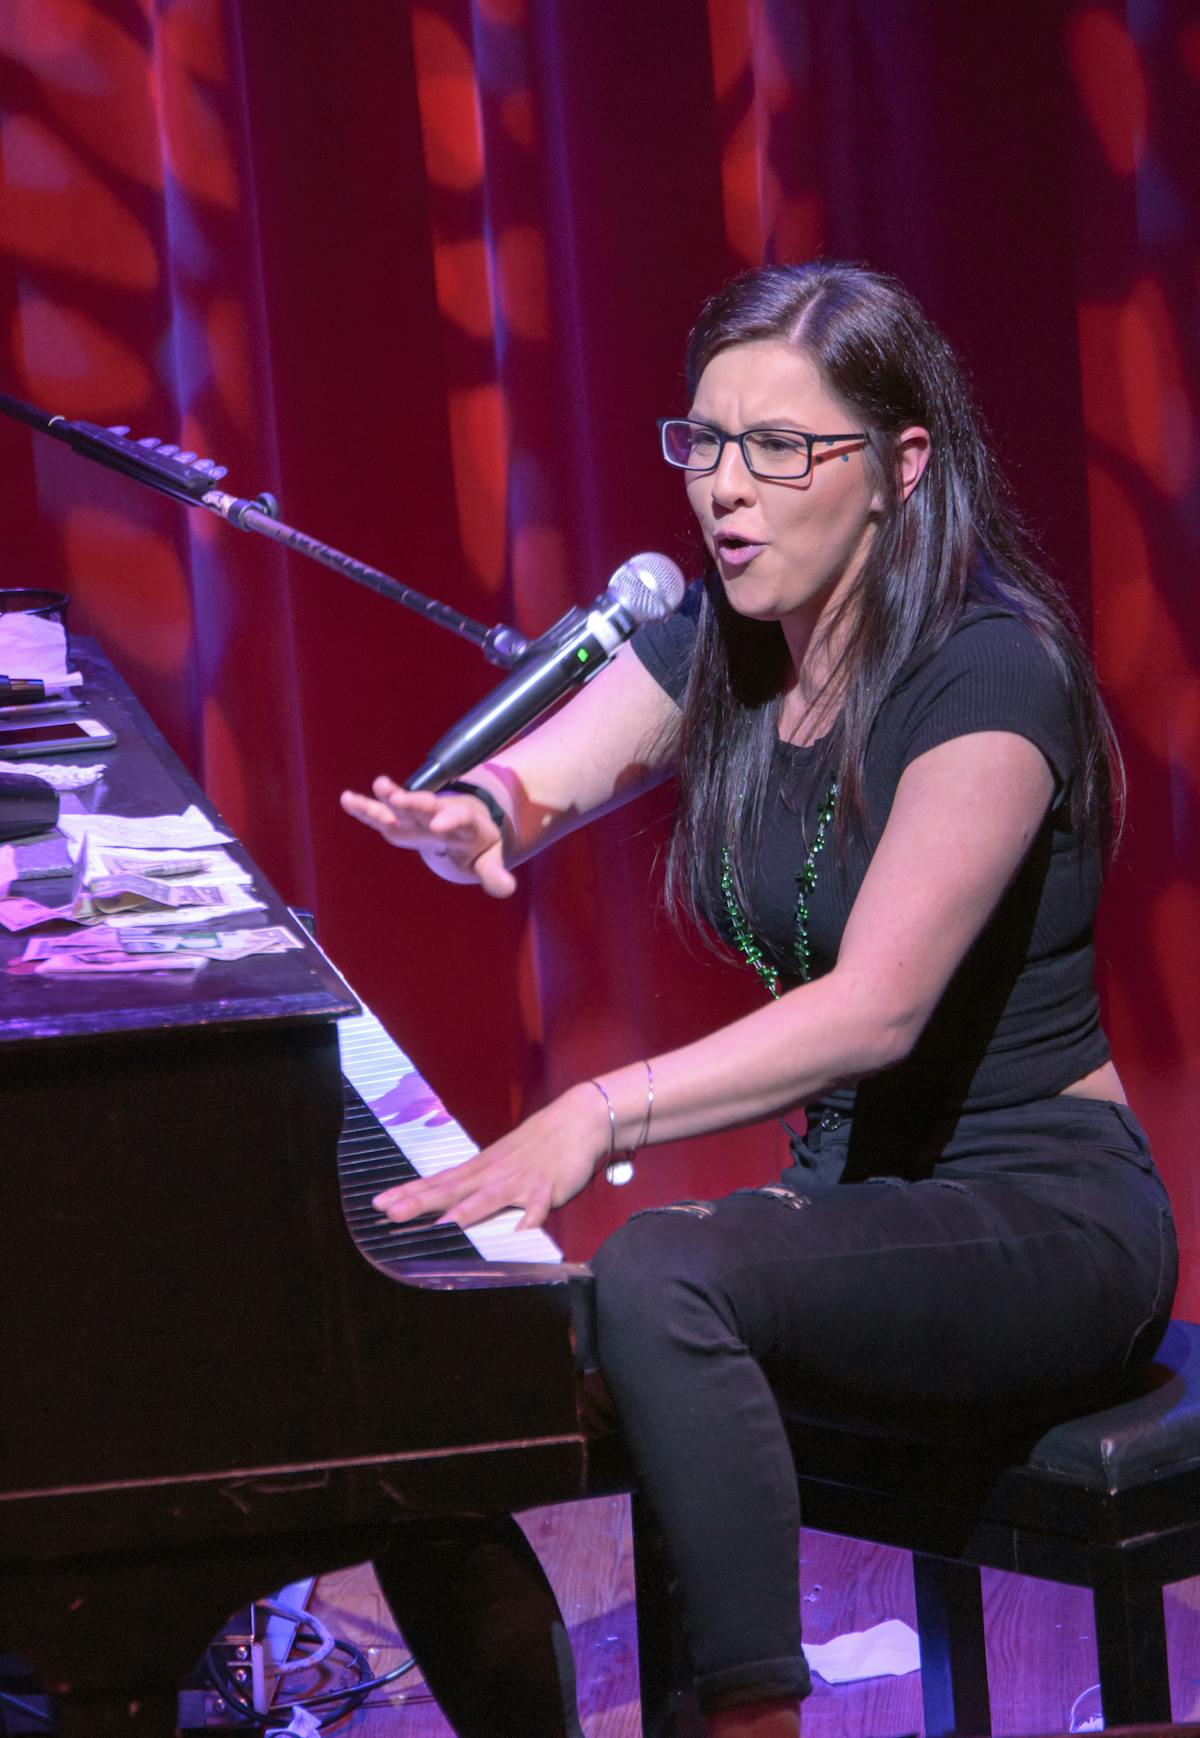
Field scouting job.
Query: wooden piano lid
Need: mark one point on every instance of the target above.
(144, 777)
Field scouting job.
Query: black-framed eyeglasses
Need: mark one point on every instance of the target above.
(781, 455)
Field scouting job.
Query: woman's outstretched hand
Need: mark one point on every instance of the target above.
(453, 832)
(543, 1163)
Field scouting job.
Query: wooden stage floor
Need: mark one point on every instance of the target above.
(1040, 1646)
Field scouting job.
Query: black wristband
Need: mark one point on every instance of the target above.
(462, 788)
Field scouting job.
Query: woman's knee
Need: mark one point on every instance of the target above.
(658, 1277)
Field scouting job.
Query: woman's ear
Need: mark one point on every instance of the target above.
(912, 456)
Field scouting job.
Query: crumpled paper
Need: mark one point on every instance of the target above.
(886, 1650)
(302, 1722)
(32, 646)
(63, 778)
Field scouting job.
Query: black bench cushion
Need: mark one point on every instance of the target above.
(1110, 1439)
(1152, 1433)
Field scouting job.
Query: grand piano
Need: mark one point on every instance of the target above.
(220, 1370)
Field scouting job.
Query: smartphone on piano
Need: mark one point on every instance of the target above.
(57, 736)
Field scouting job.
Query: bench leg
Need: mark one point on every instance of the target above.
(954, 1682)
(1131, 1644)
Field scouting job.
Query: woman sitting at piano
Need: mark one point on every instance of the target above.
(895, 786)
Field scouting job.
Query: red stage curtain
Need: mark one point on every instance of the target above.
(425, 272)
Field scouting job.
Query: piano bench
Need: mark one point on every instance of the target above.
(1108, 1500)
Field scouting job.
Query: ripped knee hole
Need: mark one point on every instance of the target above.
(778, 1192)
(696, 1209)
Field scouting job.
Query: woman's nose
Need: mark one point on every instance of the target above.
(732, 481)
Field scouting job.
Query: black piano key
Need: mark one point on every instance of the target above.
(369, 1160)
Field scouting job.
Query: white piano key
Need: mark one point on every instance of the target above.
(403, 1102)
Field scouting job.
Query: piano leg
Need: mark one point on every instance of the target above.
(472, 1602)
(113, 1638)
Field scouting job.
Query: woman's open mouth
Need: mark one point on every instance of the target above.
(737, 551)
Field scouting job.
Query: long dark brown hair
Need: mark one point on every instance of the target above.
(956, 541)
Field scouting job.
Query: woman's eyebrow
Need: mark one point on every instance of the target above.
(782, 422)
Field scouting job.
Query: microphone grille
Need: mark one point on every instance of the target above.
(650, 586)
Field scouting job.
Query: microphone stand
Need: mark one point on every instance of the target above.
(185, 478)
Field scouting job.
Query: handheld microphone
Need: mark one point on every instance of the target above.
(646, 588)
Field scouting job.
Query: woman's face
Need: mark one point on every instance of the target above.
(783, 549)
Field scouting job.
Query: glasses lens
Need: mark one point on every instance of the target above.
(690, 445)
(775, 453)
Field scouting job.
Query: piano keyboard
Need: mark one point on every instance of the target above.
(396, 1128)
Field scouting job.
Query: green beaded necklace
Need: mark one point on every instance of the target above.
(748, 944)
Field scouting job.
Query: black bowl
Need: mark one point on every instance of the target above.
(31, 602)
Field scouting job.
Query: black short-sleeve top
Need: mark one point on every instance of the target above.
(1020, 1018)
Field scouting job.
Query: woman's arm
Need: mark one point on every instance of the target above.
(964, 817)
(614, 738)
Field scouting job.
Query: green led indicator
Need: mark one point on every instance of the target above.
(583, 654)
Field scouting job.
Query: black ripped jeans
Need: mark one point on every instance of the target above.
(1036, 1255)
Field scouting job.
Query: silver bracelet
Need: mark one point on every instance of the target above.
(643, 1134)
(644, 1131)
(612, 1117)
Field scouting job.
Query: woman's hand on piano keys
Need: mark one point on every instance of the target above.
(542, 1164)
(454, 833)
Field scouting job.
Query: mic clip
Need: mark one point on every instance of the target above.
(505, 646)
(510, 649)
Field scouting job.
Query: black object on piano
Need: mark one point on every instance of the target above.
(209, 1388)
(27, 805)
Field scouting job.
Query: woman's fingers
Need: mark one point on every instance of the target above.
(481, 1203)
(538, 1167)
(450, 1188)
(454, 827)
(493, 875)
(398, 825)
(430, 1195)
(537, 1210)
(362, 808)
